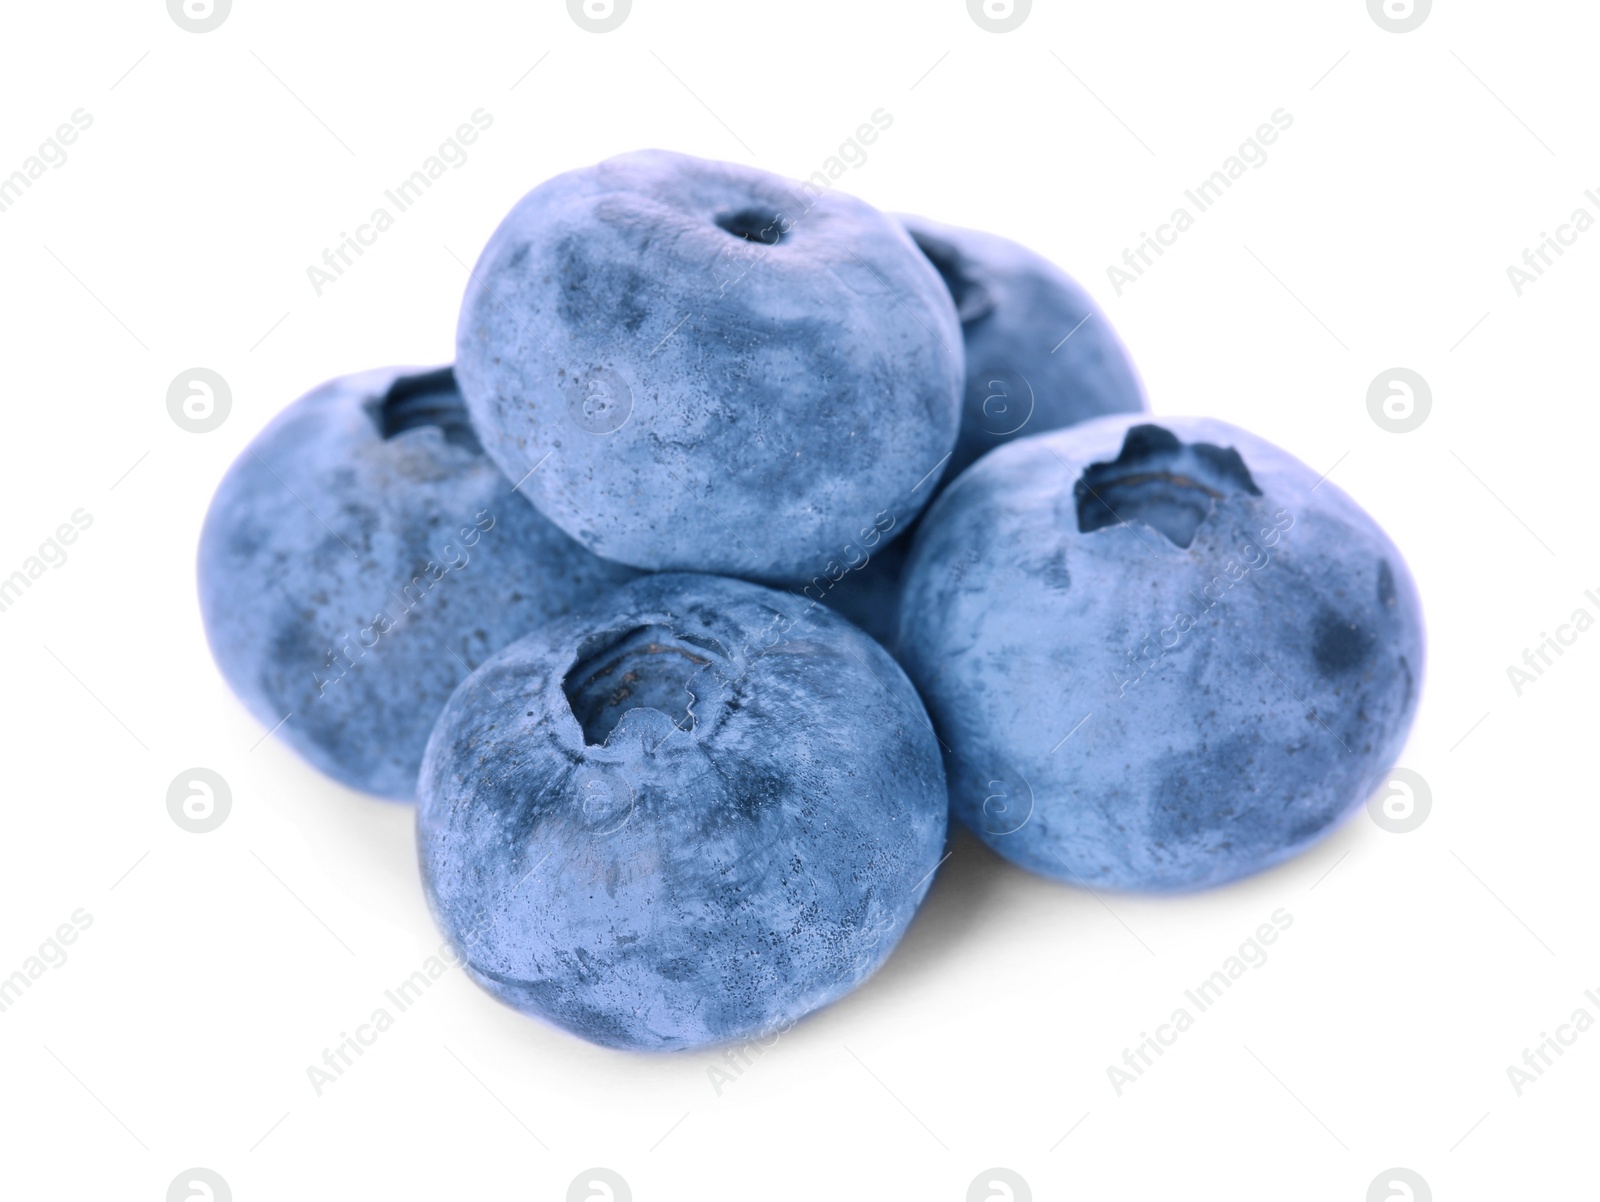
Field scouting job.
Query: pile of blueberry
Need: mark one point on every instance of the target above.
(645, 604)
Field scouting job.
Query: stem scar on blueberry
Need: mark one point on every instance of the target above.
(646, 667)
(429, 399)
(1159, 480)
(754, 225)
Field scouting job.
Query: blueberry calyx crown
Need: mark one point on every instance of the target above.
(644, 667)
(754, 225)
(429, 399)
(1163, 482)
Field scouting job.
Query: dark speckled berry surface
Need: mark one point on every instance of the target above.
(361, 557)
(694, 812)
(1164, 654)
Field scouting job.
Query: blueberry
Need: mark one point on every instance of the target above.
(1164, 655)
(1024, 376)
(361, 557)
(1040, 353)
(709, 368)
(869, 595)
(691, 813)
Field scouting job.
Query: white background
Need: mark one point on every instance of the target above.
(218, 967)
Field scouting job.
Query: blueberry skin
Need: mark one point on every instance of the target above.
(1169, 701)
(727, 373)
(737, 834)
(1016, 307)
(869, 595)
(352, 580)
